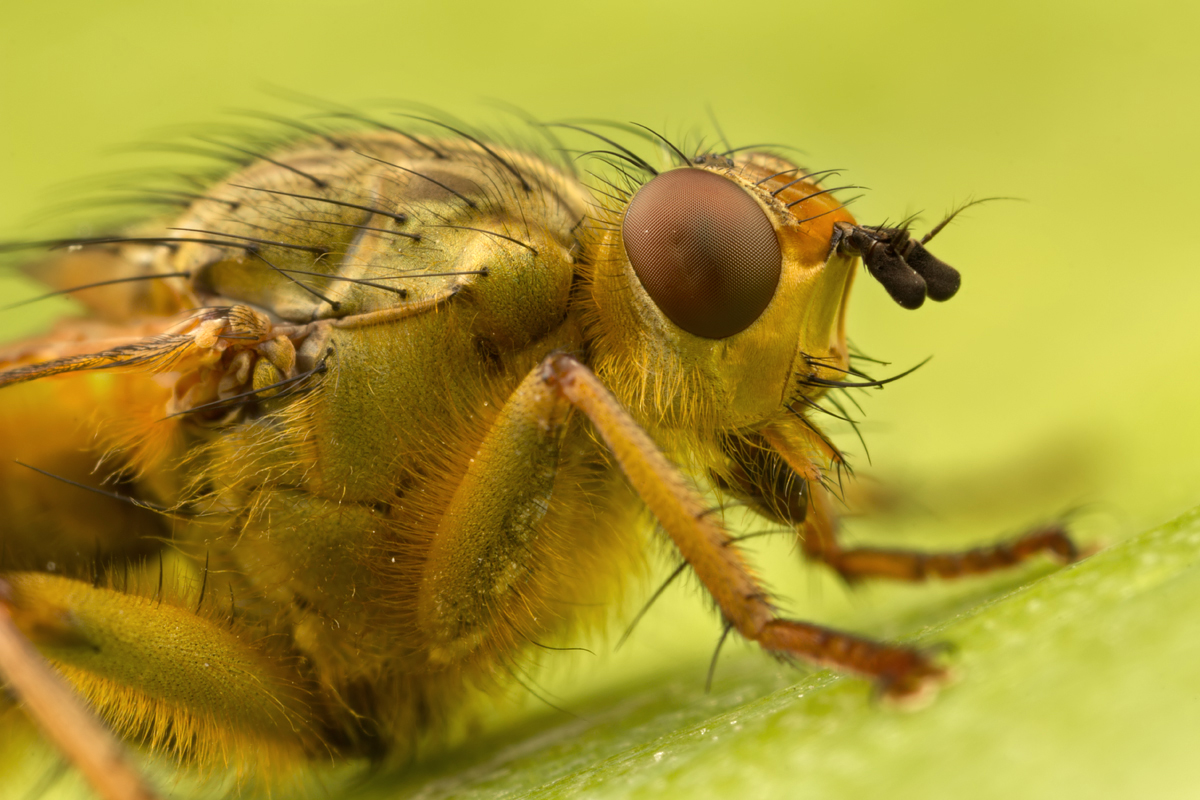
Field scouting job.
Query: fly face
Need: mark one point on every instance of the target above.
(721, 289)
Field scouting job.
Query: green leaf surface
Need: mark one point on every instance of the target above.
(1080, 683)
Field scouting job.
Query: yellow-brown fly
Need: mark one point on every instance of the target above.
(380, 409)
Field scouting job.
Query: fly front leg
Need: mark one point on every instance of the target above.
(806, 503)
(714, 557)
(539, 528)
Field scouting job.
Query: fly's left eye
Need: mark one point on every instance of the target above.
(704, 250)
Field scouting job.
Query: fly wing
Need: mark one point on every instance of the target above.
(125, 281)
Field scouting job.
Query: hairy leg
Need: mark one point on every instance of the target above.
(61, 715)
(169, 668)
(714, 557)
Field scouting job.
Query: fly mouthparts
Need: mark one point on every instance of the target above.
(908, 271)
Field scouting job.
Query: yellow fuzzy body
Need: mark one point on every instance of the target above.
(356, 511)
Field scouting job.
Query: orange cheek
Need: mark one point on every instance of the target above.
(808, 242)
(805, 238)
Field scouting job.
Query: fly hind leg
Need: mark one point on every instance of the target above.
(167, 669)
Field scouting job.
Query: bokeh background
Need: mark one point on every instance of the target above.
(1064, 374)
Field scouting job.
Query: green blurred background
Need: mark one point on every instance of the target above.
(1064, 373)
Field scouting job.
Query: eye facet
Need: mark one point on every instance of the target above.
(704, 250)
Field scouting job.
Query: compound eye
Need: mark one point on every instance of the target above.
(704, 250)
